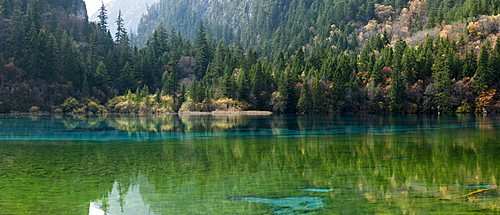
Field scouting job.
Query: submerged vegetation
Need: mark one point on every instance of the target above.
(306, 57)
(256, 165)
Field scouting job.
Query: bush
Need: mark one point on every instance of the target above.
(70, 105)
(34, 109)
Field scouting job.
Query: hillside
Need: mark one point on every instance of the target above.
(298, 56)
(285, 25)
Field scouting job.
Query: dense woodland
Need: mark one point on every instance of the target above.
(299, 56)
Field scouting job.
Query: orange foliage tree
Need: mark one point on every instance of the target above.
(488, 102)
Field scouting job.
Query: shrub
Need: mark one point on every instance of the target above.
(34, 109)
(70, 105)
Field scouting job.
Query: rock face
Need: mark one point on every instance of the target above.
(132, 11)
(80, 9)
(75, 8)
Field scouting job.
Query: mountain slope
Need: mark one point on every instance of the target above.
(286, 24)
(132, 12)
(300, 56)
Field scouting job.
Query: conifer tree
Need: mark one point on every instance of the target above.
(494, 64)
(121, 36)
(227, 83)
(305, 101)
(5, 9)
(442, 75)
(396, 92)
(318, 96)
(202, 52)
(409, 65)
(85, 85)
(483, 71)
(469, 64)
(103, 17)
(101, 76)
(127, 77)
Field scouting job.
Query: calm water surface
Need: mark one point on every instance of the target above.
(123, 164)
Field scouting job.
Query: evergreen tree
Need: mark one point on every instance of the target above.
(85, 85)
(494, 64)
(396, 92)
(170, 81)
(127, 77)
(121, 36)
(5, 9)
(227, 83)
(469, 64)
(409, 64)
(72, 66)
(318, 96)
(341, 77)
(305, 102)
(103, 18)
(197, 92)
(202, 53)
(483, 71)
(442, 75)
(101, 76)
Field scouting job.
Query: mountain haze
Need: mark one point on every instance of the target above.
(132, 12)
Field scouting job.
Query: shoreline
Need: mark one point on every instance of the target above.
(184, 113)
(219, 112)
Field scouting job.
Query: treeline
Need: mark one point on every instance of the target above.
(435, 76)
(55, 61)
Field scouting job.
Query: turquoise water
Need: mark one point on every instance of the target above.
(170, 164)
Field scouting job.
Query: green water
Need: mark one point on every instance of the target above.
(173, 164)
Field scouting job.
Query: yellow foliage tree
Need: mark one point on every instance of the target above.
(488, 102)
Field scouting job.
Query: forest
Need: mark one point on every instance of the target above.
(284, 56)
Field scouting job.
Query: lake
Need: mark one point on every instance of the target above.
(232, 164)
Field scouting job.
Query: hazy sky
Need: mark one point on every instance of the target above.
(93, 6)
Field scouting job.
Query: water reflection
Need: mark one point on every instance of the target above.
(124, 201)
(158, 127)
(204, 165)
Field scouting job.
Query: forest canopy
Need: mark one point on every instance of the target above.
(299, 56)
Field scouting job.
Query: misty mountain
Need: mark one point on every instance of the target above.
(132, 12)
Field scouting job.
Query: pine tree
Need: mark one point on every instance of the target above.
(341, 77)
(396, 92)
(85, 85)
(101, 76)
(409, 65)
(318, 96)
(121, 36)
(494, 64)
(197, 92)
(103, 18)
(442, 75)
(5, 9)
(170, 81)
(127, 77)
(469, 64)
(483, 71)
(34, 14)
(304, 104)
(72, 66)
(202, 53)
